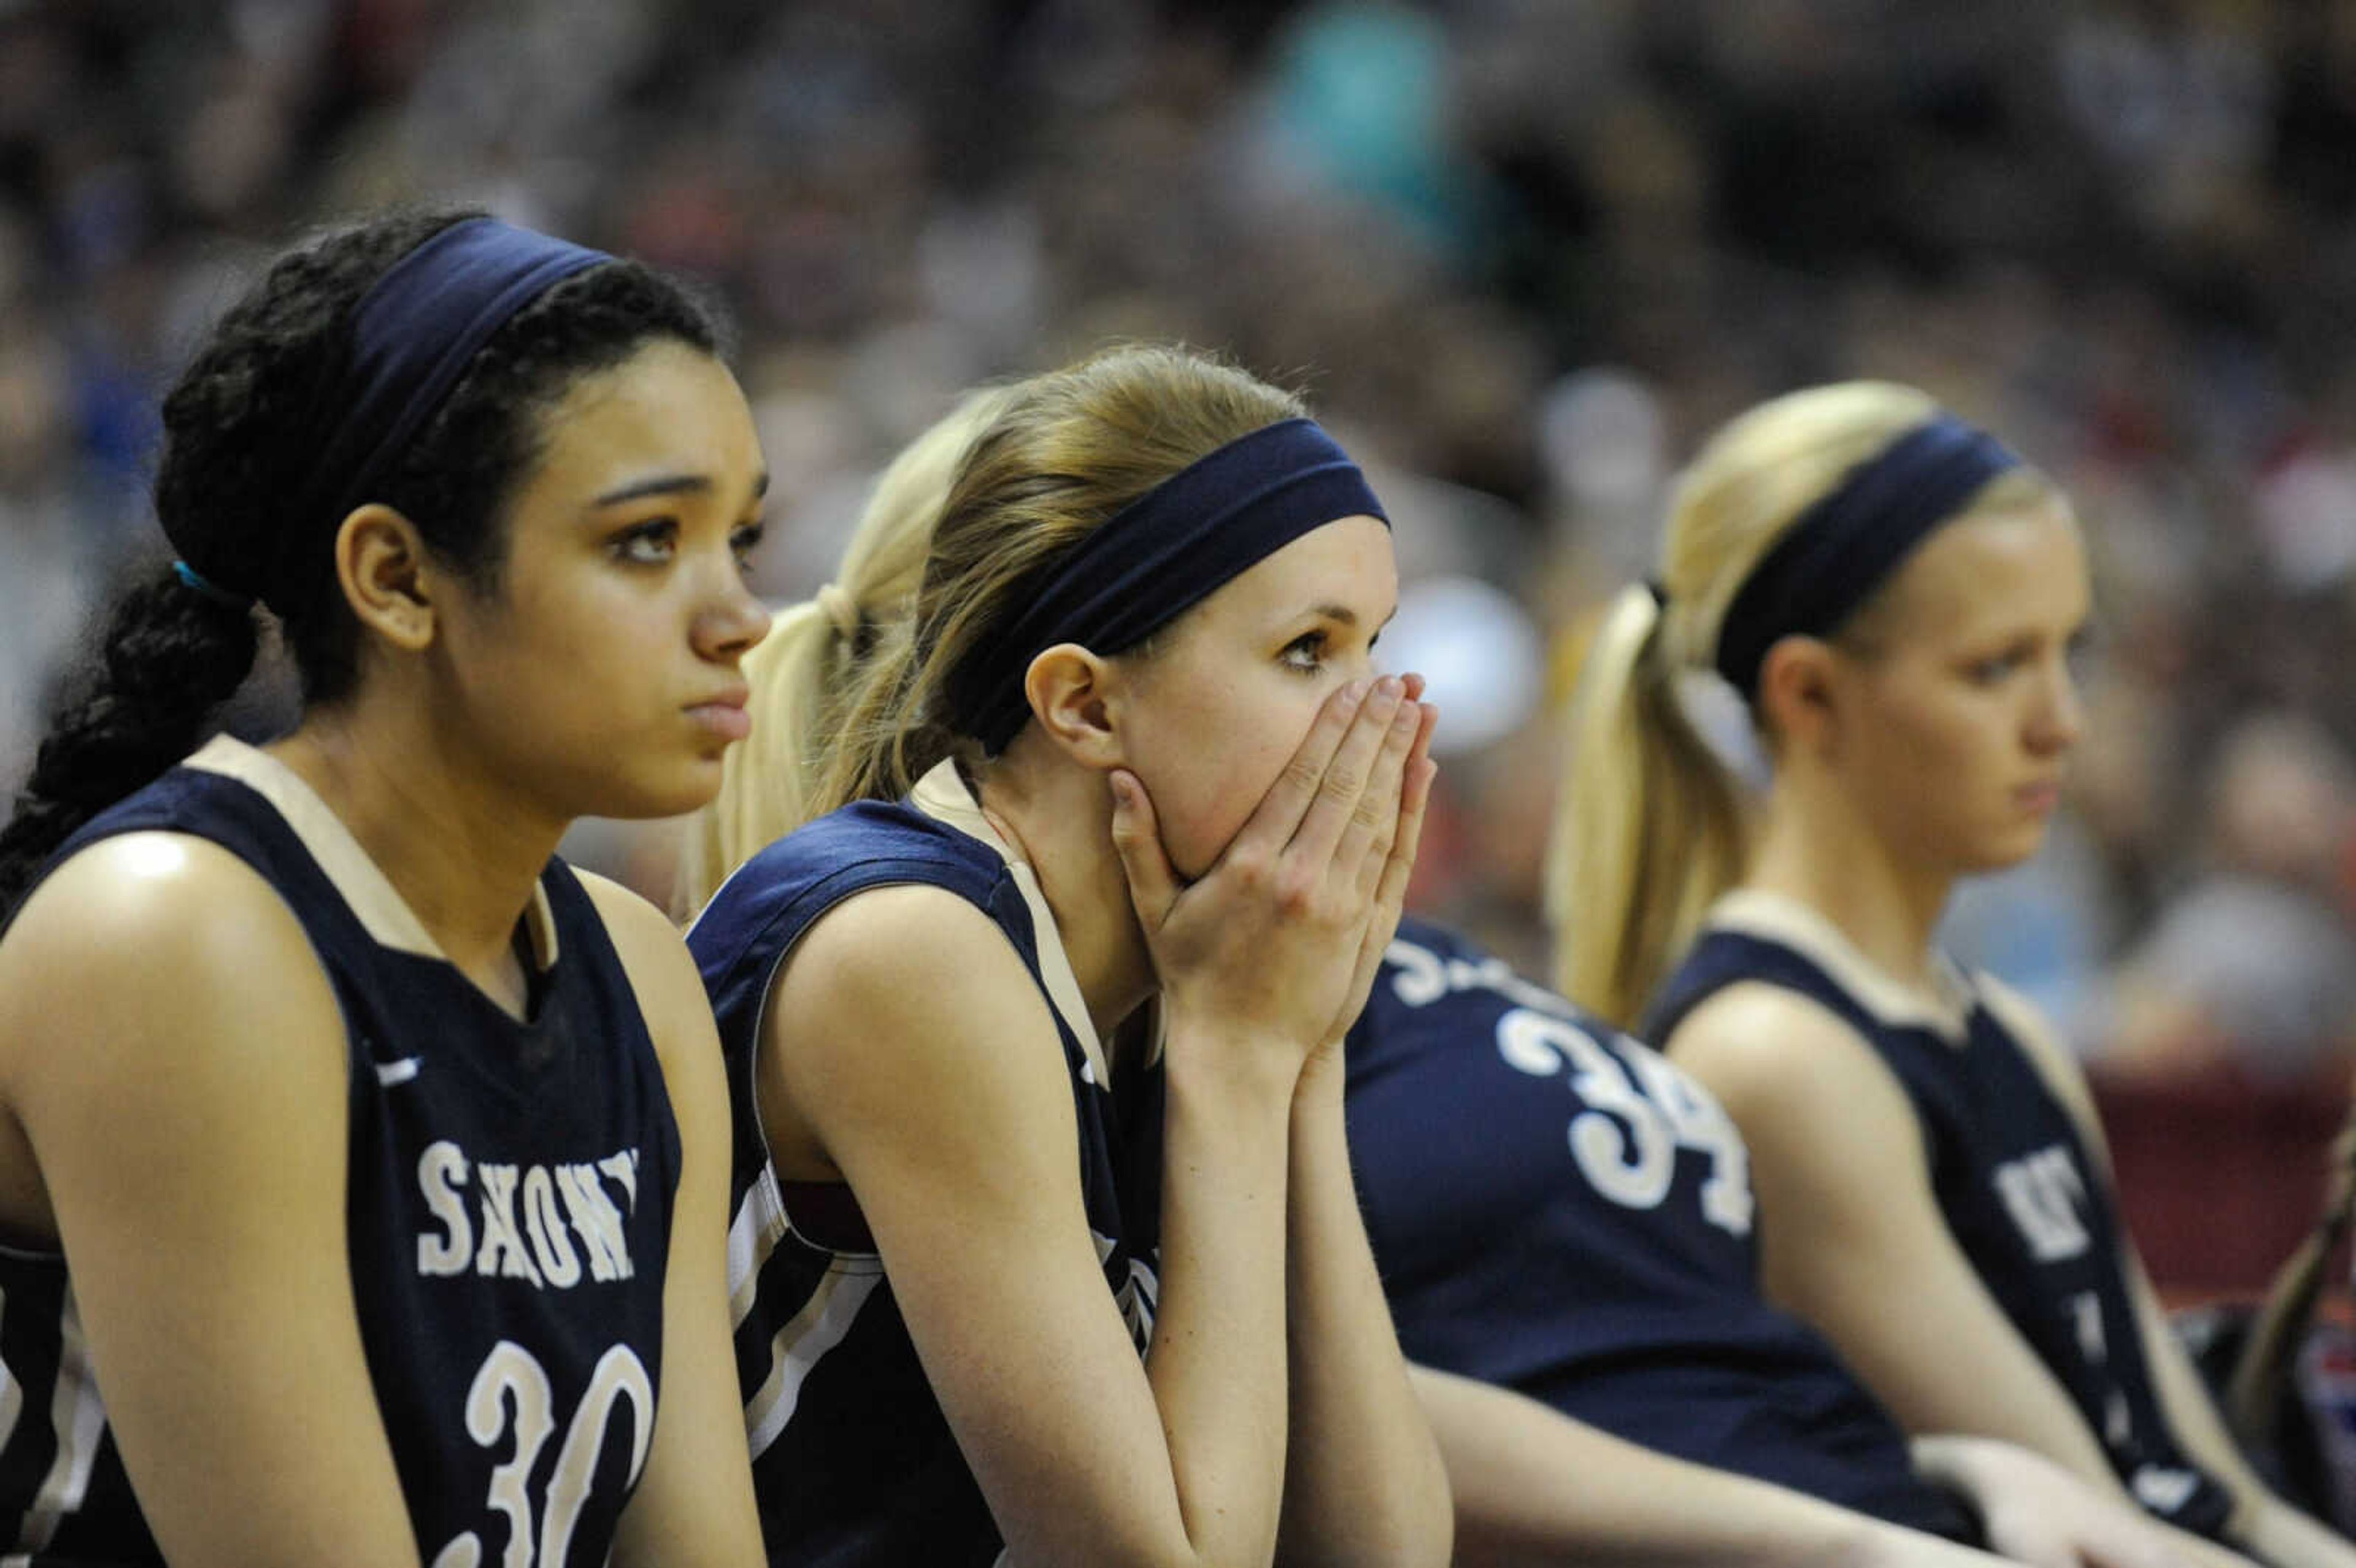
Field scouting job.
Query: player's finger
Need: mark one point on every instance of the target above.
(1274, 821)
(1366, 842)
(1415, 795)
(1137, 837)
(1343, 784)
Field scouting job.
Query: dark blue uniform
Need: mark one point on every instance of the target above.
(853, 1459)
(2030, 1209)
(1557, 1210)
(508, 1204)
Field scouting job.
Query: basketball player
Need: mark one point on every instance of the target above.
(362, 1168)
(1896, 597)
(1564, 1224)
(1035, 1038)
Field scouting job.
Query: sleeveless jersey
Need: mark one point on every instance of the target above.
(507, 1202)
(2030, 1209)
(852, 1460)
(1557, 1210)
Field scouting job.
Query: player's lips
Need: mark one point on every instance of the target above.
(723, 712)
(2040, 797)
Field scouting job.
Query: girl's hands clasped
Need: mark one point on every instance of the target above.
(1275, 947)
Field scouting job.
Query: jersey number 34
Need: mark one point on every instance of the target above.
(1639, 1112)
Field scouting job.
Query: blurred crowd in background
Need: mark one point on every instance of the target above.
(1522, 254)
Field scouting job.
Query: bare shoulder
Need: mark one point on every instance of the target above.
(637, 927)
(911, 992)
(157, 987)
(904, 944)
(670, 993)
(161, 921)
(1769, 1050)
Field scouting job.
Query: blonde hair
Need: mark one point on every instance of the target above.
(1650, 827)
(1046, 461)
(1067, 451)
(798, 673)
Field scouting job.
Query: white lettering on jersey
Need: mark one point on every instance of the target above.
(502, 1252)
(511, 1406)
(2045, 1196)
(624, 1168)
(595, 1221)
(533, 1223)
(545, 1224)
(2162, 1488)
(2086, 1317)
(1625, 1141)
(1424, 977)
(441, 1172)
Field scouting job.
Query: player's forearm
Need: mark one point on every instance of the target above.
(1217, 1361)
(1536, 1489)
(2278, 1534)
(1363, 1480)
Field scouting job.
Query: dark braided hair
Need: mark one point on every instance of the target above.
(240, 427)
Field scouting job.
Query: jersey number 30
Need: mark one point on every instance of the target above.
(1640, 1112)
(511, 1394)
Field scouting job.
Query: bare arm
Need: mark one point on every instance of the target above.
(694, 1501)
(2034, 1512)
(2263, 1522)
(906, 1034)
(1845, 1191)
(176, 1057)
(1534, 1487)
(1363, 1483)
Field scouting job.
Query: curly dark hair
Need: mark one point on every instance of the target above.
(257, 401)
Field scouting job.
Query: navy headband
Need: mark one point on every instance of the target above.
(413, 335)
(1841, 548)
(1158, 556)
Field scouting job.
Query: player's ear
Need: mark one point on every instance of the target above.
(1796, 683)
(1069, 687)
(385, 573)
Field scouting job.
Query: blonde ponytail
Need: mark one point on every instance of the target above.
(1652, 828)
(822, 655)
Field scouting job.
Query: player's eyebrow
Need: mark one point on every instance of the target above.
(670, 485)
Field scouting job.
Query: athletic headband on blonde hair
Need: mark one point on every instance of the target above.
(1841, 548)
(413, 334)
(1158, 556)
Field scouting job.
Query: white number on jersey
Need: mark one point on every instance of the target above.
(2044, 1194)
(1627, 1138)
(511, 1394)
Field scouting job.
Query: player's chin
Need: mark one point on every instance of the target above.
(2008, 846)
(681, 785)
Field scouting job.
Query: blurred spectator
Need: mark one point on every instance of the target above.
(2253, 961)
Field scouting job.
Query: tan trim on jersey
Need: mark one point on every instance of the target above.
(942, 795)
(377, 903)
(1775, 917)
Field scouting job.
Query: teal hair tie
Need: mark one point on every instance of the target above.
(209, 589)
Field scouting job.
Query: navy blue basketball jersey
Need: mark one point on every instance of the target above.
(852, 1460)
(508, 1205)
(1557, 1210)
(2029, 1207)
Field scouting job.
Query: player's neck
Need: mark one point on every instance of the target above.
(1058, 816)
(463, 857)
(1811, 848)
